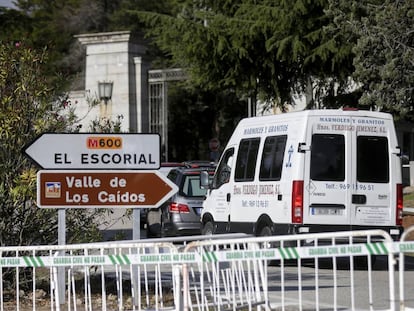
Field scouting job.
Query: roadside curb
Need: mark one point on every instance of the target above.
(408, 211)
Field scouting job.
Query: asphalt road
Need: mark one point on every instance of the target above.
(350, 292)
(323, 288)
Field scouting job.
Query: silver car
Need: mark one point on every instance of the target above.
(180, 215)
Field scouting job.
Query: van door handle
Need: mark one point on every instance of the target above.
(228, 197)
(359, 199)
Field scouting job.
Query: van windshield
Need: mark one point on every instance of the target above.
(222, 175)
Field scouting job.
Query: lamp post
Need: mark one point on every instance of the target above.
(105, 91)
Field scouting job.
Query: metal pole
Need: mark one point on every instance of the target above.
(136, 235)
(61, 241)
(136, 224)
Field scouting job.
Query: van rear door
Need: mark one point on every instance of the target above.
(326, 195)
(347, 172)
(373, 195)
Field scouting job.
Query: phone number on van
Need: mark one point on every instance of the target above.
(255, 203)
(368, 187)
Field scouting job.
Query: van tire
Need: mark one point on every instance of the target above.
(208, 228)
(361, 262)
(265, 231)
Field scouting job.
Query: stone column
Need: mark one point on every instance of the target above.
(142, 104)
(110, 57)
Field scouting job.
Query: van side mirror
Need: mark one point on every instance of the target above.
(396, 150)
(204, 180)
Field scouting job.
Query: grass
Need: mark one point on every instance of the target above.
(409, 200)
(408, 219)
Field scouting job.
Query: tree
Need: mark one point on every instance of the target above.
(196, 116)
(384, 61)
(54, 24)
(265, 48)
(31, 104)
(383, 36)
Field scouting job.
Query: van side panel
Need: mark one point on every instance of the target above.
(267, 191)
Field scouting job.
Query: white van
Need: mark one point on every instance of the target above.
(305, 172)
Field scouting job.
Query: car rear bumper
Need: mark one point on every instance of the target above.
(177, 228)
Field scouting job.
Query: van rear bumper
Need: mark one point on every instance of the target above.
(394, 231)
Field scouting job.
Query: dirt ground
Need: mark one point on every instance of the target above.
(408, 219)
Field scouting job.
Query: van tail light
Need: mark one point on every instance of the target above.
(297, 202)
(177, 208)
(400, 205)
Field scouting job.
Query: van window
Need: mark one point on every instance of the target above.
(246, 159)
(272, 158)
(328, 157)
(372, 159)
(222, 174)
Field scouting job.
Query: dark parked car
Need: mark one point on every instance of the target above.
(180, 215)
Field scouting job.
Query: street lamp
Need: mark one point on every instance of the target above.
(105, 90)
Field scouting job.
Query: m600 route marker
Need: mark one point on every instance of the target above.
(96, 151)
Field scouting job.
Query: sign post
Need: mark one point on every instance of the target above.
(61, 241)
(97, 171)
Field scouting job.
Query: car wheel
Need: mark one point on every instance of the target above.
(162, 227)
(208, 228)
(143, 218)
(153, 223)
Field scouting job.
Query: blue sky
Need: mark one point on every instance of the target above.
(8, 3)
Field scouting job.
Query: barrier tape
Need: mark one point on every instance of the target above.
(287, 253)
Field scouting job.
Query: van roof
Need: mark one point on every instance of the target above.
(320, 112)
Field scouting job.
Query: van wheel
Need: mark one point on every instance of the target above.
(208, 228)
(361, 262)
(266, 231)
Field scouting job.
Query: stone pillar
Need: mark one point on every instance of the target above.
(142, 104)
(110, 57)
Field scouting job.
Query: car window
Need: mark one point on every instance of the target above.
(172, 175)
(191, 186)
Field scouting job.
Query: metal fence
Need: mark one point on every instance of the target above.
(330, 271)
(311, 272)
(405, 249)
